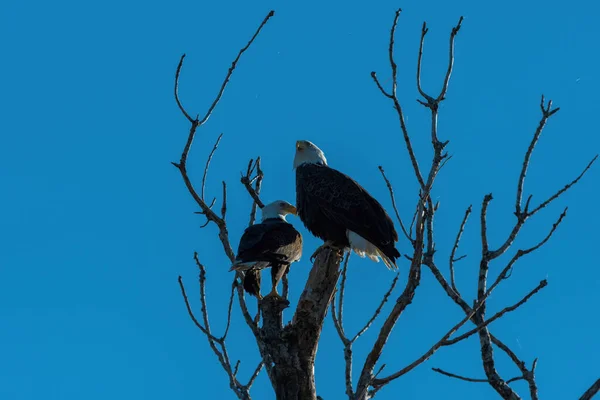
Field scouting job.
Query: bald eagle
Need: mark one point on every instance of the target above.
(338, 210)
(272, 243)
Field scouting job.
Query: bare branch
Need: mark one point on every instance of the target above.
(259, 367)
(343, 274)
(414, 278)
(527, 374)
(337, 317)
(221, 354)
(378, 310)
(546, 113)
(210, 156)
(484, 241)
(391, 53)
(336, 321)
(591, 392)
(347, 349)
(424, 31)
(381, 89)
(564, 189)
(247, 181)
(394, 98)
(191, 313)
(412, 221)
(195, 123)
(391, 190)
(451, 375)
(450, 60)
(232, 68)
(492, 254)
(224, 205)
(498, 315)
(177, 72)
(520, 253)
(315, 298)
(233, 286)
(452, 260)
(203, 307)
(378, 382)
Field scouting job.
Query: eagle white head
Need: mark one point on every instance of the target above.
(307, 152)
(277, 209)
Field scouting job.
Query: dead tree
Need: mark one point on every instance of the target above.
(288, 352)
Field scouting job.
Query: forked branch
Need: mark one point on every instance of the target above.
(217, 344)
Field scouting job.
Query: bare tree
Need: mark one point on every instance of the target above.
(288, 352)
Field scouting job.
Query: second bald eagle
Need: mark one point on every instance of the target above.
(274, 243)
(338, 210)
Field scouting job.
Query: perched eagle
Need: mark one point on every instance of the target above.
(338, 210)
(273, 243)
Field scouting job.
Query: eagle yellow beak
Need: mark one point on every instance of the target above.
(292, 210)
(300, 145)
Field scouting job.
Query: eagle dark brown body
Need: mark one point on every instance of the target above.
(274, 243)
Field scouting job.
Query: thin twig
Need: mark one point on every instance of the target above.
(464, 378)
(177, 72)
(229, 308)
(343, 290)
(455, 30)
(224, 205)
(452, 260)
(191, 313)
(391, 53)
(545, 115)
(210, 215)
(336, 321)
(232, 68)
(208, 160)
(378, 310)
(467, 310)
(424, 31)
(520, 253)
(378, 382)
(484, 241)
(498, 315)
(564, 189)
(591, 392)
(254, 192)
(394, 98)
(255, 374)
(347, 348)
(391, 190)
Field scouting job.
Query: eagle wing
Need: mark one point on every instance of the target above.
(344, 201)
(277, 241)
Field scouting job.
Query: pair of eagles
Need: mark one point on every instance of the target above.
(332, 206)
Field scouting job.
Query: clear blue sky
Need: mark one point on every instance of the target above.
(97, 225)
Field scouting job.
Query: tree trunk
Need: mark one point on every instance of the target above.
(289, 352)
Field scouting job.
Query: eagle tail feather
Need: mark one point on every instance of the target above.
(389, 263)
(240, 265)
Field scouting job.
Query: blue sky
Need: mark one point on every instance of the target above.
(97, 224)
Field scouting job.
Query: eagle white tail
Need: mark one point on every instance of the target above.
(364, 248)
